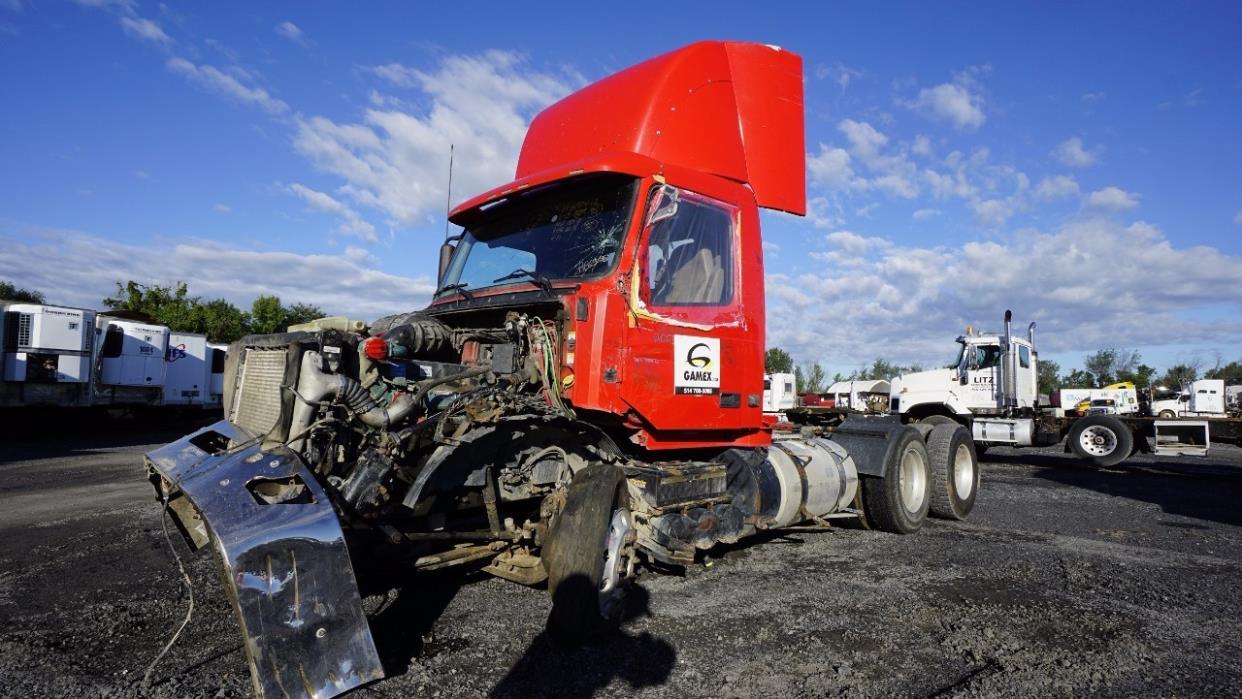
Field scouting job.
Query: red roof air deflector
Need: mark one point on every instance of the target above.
(728, 108)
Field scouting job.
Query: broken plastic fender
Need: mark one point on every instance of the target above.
(286, 564)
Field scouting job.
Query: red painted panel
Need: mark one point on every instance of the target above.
(726, 108)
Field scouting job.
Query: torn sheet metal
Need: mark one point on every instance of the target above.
(284, 555)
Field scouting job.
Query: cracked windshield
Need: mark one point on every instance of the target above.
(570, 231)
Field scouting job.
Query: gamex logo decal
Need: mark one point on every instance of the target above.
(699, 356)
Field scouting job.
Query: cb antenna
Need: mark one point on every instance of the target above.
(448, 197)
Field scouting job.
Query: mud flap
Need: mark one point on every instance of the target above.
(286, 565)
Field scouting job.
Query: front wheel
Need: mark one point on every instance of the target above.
(589, 555)
(1167, 415)
(899, 501)
(1102, 440)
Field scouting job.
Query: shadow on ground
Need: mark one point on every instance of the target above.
(51, 434)
(1185, 487)
(551, 667)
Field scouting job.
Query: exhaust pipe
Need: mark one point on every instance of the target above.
(1008, 364)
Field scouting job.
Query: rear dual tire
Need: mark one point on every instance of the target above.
(899, 501)
(954, 471)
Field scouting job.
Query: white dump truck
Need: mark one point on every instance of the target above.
(992, 388)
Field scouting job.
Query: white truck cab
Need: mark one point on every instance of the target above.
(779, 393)
(991, 374)
(1202, 398)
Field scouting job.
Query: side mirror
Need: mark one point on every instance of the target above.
(663, 204)
(446, 256)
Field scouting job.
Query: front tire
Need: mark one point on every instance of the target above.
(1167, 415)
(955, 471)
(899, 501)
(1102, 440)
(585, 555)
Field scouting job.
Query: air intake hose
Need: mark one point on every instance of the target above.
(315, 386)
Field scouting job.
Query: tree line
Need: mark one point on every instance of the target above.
(811, 378)
(173, 306)
(1102, 368)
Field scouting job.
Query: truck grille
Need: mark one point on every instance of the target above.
(257, 403)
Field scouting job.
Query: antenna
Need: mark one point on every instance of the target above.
(448, 197)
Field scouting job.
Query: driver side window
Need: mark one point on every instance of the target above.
(689, 255)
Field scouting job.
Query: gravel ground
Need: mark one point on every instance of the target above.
(1066, 580)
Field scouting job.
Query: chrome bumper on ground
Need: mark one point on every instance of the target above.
(286, 564)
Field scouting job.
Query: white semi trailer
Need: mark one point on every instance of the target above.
(992, 389)
(46, 354)
(188, 376)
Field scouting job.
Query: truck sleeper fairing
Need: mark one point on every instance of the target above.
(286, 565)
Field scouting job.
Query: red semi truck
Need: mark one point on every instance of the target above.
(581, 398)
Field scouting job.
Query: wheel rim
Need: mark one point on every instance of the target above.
(963, 471)
(1098, 440)
(616, 563)
(913, 480)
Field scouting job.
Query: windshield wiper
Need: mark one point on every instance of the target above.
(542, 281)
(459, 288)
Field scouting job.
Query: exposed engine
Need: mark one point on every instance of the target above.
(367, 414)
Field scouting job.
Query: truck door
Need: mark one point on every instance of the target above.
(689, 342)
(1026, 376)
(981, 389)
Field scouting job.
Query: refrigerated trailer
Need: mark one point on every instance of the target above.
(46, 353)
(189, 379)
(991, 388)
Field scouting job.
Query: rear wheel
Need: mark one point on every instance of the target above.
(589, 556)
(955, 471)
(1101, 439)
(899, 501)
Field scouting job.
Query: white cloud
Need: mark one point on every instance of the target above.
(830, 167)
(292, 32)
(351, 222)
(925, 214)
(1113, 198)
(222, 208)
(1072, 153)
(228, 84)
(142, 174)
(867, 297)
(922, 146)
(855, 243)
(865, 141)
(993, 212)
(124, 6)
(1092, 96)
(959, 102)
(838, 73)
(1056, 187)
(1238, 217)
(146, 30)
(397, 161)
(80, 269)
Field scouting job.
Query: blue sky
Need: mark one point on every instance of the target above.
(1080, 164)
